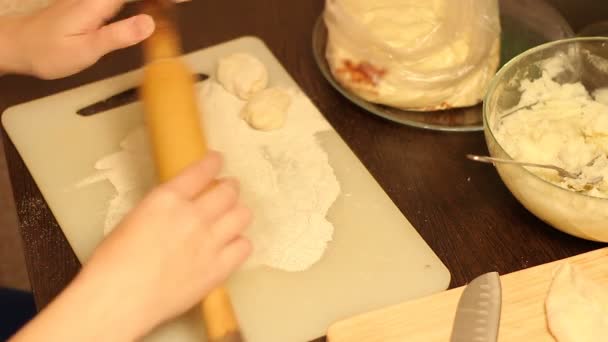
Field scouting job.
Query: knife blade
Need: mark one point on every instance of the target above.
(478, 312)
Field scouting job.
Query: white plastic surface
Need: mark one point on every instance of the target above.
(376, 258)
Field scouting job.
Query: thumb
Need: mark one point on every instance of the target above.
(122, 34)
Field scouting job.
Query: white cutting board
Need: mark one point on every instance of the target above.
(376, 259)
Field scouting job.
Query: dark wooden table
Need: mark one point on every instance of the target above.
(461, 209)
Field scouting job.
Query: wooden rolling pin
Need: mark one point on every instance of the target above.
(172, 117)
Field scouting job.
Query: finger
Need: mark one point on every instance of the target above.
(232, 256)
(122, 34)
(216, 201)
(231, 225)
(196, 178)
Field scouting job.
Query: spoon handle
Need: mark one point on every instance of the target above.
(491, 160)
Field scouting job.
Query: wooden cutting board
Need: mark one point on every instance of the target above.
(376, 258)
(430, 319)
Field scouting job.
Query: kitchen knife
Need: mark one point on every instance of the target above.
(177, 139)
(478, 312)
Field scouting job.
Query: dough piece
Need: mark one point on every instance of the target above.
(242, 75)
(577, 308)
(267, 110)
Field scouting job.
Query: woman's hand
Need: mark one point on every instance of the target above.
(183, 240)
(68, 36)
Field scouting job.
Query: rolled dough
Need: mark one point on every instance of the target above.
(577, 307)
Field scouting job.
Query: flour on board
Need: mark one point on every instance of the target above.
(285, 177)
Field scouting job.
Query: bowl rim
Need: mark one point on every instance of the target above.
(499, 75)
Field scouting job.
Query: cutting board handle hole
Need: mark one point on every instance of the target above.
(121, 99)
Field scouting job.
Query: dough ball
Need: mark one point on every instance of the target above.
(267, 110)
(242, 75)
(577, 307)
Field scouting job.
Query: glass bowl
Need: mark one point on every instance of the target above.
(574, 213)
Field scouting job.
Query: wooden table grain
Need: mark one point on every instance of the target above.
(460, 208)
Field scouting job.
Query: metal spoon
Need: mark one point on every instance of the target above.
(562, 172)
(513, 111)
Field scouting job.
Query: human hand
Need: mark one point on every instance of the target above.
(182, 241)
(71, 35)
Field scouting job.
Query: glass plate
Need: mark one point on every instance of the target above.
(525, 24)
(599, 29)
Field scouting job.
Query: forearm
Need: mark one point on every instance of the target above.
(88, 310)
(11, 58)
